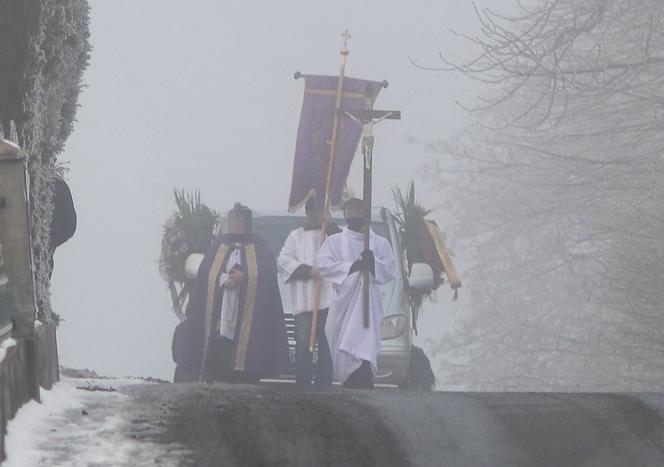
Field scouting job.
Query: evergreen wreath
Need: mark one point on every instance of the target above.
(190, 229)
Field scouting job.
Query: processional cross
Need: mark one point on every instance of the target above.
(368, 117)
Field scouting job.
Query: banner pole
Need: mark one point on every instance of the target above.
(326, 206)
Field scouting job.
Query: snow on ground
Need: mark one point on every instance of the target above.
(5, 346)
(76, 427)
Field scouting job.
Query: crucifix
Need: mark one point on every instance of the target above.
(368, 117)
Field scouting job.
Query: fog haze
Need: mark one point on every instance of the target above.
(201, 95)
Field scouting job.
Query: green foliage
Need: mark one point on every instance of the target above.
(190, 229)
(409, 219)
(44, 49)
(17, 19)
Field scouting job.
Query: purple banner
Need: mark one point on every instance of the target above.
(314, 137)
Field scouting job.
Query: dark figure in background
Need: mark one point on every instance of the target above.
(297, 264)
(63, 223)
(235, 329)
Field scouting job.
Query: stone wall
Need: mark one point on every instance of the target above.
(34, 360)
(14, 390)
(47, 355)
(26, 363)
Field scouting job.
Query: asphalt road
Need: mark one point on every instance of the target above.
(279, 425)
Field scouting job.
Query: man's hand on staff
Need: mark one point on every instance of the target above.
(367, 262)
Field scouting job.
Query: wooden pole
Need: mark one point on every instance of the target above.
(366, 196)
(326, 207)
(177, 299)
(366, 118)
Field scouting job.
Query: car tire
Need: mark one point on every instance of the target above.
(420, 375)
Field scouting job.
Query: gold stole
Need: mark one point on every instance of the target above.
(249, 305)
(217, 263)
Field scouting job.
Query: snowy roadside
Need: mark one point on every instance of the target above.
(77, 427)
(5, 346)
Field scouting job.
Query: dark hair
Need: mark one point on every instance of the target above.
(353, 203)
(242, 211)
(311, 205)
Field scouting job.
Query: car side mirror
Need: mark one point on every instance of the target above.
(192, 265)
(421, 277)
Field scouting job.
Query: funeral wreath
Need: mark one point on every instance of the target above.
(188, 230)
(423, 242)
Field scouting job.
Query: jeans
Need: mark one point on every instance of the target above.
(304, 365)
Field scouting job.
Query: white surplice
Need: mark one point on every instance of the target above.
(300, 248)
(231, 297)
(350, 342)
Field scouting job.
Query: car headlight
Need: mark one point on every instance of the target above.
(393, 326)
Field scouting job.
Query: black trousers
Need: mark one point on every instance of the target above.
(304, 365)
(362, 378)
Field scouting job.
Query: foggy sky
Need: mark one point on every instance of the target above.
(200, 94)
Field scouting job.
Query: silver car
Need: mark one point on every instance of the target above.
(397, 330)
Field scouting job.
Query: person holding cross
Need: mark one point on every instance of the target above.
(346, 263)
(355, 261)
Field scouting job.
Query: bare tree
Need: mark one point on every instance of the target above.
(558, 193)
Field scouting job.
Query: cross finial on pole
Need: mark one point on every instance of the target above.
(333, 144)
(346, 35)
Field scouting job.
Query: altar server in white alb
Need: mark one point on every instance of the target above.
(297, 265)
(341, 261)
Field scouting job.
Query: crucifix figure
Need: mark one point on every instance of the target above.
(367, 129)
(346, 35)
(368, 117)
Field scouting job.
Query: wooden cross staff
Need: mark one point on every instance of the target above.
(368, 118)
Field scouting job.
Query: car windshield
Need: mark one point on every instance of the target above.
(275, 229)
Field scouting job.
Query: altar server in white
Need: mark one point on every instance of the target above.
(341, 261)
(297, 265)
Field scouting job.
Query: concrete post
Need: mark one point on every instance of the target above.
(17, 251)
